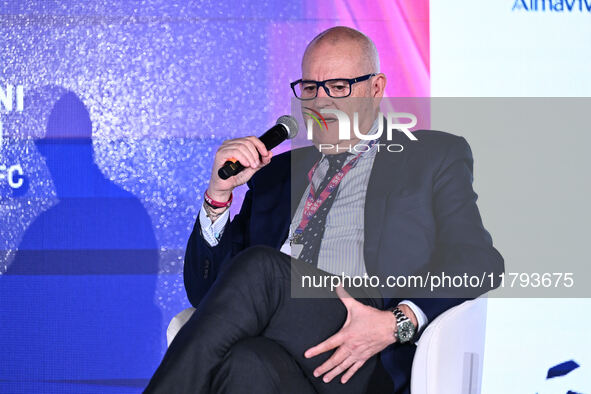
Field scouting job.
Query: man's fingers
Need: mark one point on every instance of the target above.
(251, 151)
(233, 154)
(259, 145)
(345, 298)
(351, 371)
(341, 292)
(336, 359)
(335, 341)
(267, 159)
(343, 366)
(233, 148)
(253, 148)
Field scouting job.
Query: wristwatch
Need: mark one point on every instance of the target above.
(406, 330)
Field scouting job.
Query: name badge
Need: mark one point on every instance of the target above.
(296, 249)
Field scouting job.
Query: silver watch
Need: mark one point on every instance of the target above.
(406, 330)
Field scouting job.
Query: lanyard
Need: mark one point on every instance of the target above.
(312, 203)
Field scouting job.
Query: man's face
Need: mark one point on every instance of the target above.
(344, 59)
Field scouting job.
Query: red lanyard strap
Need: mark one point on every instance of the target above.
(313, 204)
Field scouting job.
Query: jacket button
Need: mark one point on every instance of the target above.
(206, 265)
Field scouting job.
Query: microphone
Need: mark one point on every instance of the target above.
(285, 128)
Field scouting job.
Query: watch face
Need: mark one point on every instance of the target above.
(406, 330)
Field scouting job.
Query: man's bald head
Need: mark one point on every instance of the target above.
(343, 55)
(341, 35)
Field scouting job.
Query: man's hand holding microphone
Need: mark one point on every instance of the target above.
(237, 160)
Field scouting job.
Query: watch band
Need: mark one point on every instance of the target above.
(400, 318)
(403, 323)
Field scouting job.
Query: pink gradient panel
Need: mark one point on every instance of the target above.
(400, 30)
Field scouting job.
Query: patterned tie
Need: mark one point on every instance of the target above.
(312, 235)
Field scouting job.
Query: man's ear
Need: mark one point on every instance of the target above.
(378, 85)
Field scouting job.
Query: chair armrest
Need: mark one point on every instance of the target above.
(450, 352)
(176, 323)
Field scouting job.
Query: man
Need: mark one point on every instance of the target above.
(380, 213)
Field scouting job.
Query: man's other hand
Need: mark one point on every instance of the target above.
(366, 332)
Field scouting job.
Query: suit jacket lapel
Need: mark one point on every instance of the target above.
(384, 180)
(302, 161)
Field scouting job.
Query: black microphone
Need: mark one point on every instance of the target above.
(286, 128)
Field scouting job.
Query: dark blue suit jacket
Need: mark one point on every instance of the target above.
(420, 215)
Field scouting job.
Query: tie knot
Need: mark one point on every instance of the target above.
(337, 160)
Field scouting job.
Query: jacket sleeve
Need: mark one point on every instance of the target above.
(463, 246)
(203, 262)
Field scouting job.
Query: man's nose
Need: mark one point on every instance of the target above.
(322, 99)
(322, 92)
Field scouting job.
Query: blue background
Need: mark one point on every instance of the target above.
(125, 104)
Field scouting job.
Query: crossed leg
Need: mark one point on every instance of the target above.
(247, 315)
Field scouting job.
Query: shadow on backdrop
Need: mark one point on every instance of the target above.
(79, 295)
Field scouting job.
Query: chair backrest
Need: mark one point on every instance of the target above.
(176, 323)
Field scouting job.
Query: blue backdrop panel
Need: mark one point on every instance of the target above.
(123, 107)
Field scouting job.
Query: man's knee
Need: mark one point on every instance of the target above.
(244, 364)
(245, 354)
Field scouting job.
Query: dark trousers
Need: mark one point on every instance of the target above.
(249, 334)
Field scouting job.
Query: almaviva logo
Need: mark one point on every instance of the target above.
(552, 5)
(345, 124)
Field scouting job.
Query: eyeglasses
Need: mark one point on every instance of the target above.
(336, 88)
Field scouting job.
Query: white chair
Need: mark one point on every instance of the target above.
(176, 323)
(449, 353)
